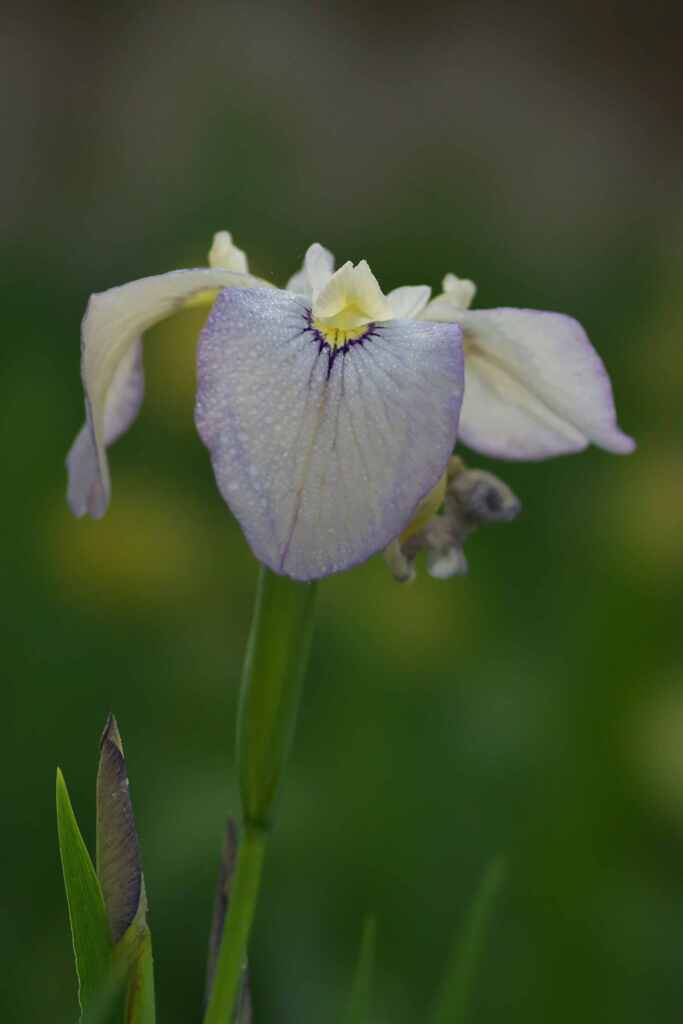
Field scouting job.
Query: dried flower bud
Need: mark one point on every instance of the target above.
(473, 498)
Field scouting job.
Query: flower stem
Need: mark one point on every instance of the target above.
(274, 668)
(232, 956)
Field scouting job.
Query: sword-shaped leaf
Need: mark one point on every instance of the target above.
(358, 1007)
(87, 915)
(456, 988)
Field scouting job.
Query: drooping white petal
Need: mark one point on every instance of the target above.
(323, 454)
(111, 369)
(86, 490)
(317, 270)
(535, 386)
(409, 301)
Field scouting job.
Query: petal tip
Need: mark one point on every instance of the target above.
(622, 444)
(86, 493)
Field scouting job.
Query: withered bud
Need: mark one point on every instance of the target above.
(473, 498)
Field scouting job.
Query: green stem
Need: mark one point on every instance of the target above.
(274, 669)
(232, 957)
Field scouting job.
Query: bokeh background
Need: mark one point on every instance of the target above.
(534, 708)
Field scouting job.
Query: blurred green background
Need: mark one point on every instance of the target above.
(534, 708)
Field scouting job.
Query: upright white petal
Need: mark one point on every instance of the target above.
(299, 284)
(323, 454)
(409, 301)
(317, 270)
(319, 263)
(534, 385)
(111, 369)
(224, 253)
(460, 290)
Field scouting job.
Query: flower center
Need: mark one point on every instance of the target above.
(337, 337)
(346, 303)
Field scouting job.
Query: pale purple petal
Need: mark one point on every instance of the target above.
(111, 369)
(535, 386)
(323, 455)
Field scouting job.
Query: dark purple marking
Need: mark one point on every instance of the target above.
(334, 351)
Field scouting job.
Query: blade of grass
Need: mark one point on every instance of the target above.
(358, 1007)
(87, 915)
(456, 988)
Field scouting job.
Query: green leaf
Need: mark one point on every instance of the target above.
(134, 955)
(358, 1007)
(274, 669)
(108, 1007)
(87, 915)
(456, 988)
(141, 1003)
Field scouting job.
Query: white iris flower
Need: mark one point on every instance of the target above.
(329, 413)
(330, 409)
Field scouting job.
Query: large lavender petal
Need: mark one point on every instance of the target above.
(111, 369)
(535, 386)
(323, 454)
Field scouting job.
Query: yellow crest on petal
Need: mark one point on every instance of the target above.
(349, 299)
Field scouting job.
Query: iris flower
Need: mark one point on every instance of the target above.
(330, 409)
